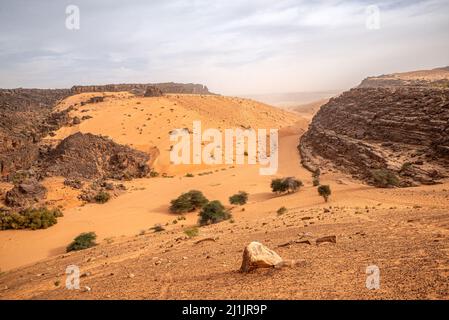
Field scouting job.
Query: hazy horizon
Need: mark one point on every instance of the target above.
(233, 47)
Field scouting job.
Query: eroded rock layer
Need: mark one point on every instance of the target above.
(401, 132)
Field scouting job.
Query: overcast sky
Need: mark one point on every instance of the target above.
(234, 47)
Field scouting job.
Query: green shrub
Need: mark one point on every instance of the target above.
(384, 178)
(102, 197)
(324, 191)
(288, 184)
(154, 174)
(213, 212)
(41, 218)
(239, 198)
(83, 241)
(281, 211)
(191, 232)
(188, 202)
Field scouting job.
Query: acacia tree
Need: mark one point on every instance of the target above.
(324, 191)
(289, 184)
(188, 202)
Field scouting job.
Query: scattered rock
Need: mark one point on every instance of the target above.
(257, 255)
(331, 239)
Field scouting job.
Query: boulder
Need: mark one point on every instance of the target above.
(153, 92)
(256, 255)
(25, 194)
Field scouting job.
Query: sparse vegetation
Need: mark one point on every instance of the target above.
(189, 175)
(239, 198)
(213, 212)
(191, 232)
(83, 241)
(40, 218)
(384, 178)
(324, 191)
(102, 197)
(188, 202)
(154, 174)
(281, 211)
(282, 185)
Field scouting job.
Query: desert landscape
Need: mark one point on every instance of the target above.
(367, 174)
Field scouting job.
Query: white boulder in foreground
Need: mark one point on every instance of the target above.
(256, 255)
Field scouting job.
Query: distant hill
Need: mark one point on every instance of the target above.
(438, 77)
(290, 99)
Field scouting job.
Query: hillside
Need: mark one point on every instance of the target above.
(385, 136)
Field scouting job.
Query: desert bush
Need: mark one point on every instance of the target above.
(154, 174)
(316, 181)
(40, 218)
(324, 191)
(189, 175)
(188, 202)
(191, 232)
(384, 178)
(281, 211)
(289, 184)
(102, 197)
(213, 212)
(83, 241)
(239, 198)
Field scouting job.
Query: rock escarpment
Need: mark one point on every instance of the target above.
(384, 135)
(140, 89)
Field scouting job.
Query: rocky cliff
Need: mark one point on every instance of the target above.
(397, 135)
(140, 89)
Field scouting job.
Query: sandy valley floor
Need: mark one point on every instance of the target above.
(402, 231)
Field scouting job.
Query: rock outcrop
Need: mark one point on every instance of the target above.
(153, 92)
(26, 115)
(256, 255)
(87, 156)
(25, 194)
(394, 134)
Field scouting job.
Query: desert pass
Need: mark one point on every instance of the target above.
(103, 160)
(224, 151)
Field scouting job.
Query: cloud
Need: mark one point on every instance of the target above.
(252, 46)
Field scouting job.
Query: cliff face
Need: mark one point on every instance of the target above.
(400, 130)
(139, 89)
